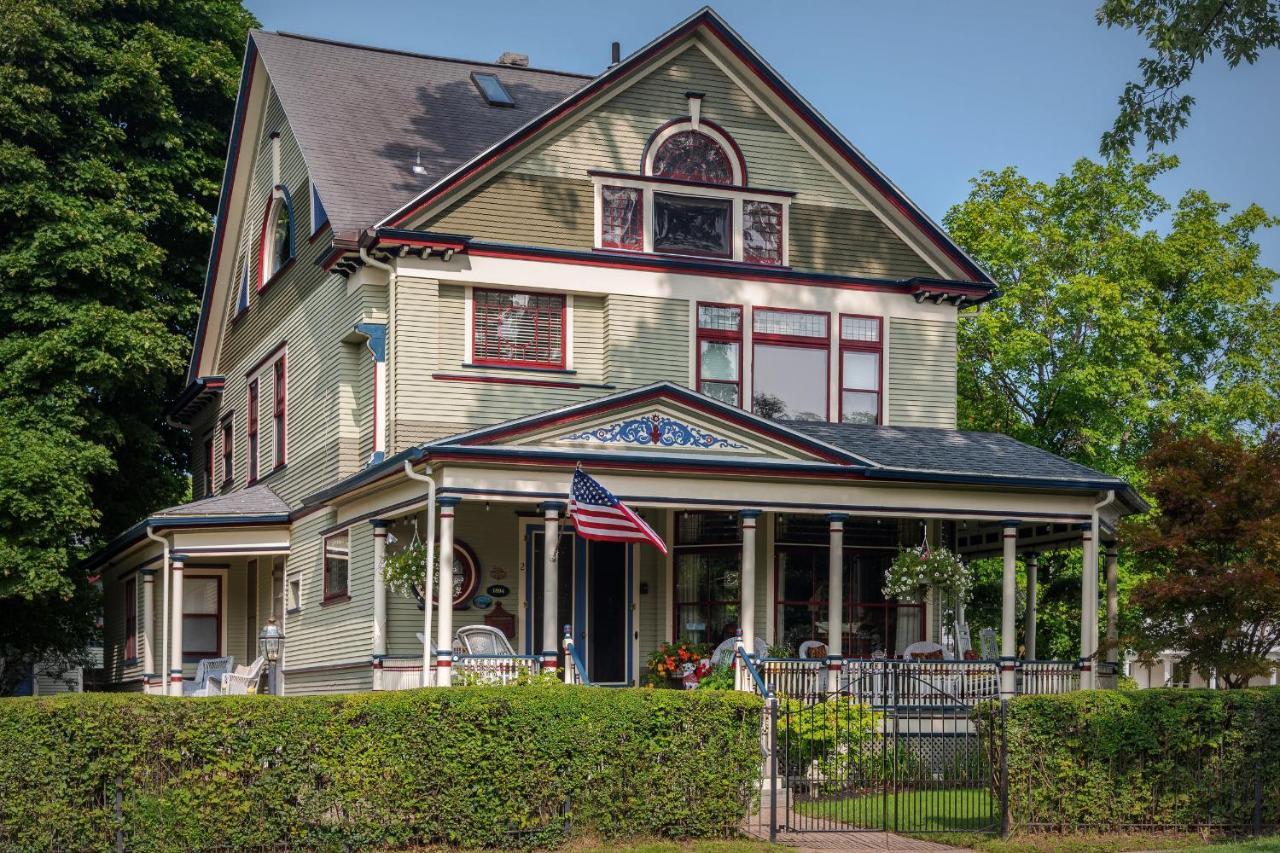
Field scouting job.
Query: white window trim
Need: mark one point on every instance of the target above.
(468, 326)
(268, 253)
(198, 571)
(735, 194)
(290, 579)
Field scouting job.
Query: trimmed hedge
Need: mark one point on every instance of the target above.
(1158, 758)
(466, 766)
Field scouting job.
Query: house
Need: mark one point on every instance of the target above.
(437, 286)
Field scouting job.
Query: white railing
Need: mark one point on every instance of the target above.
(1045, 677)
(494, 669)
(937, 683)
(575, 672)
(401, 673)
(795, 678)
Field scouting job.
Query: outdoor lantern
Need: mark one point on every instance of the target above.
(270, 641)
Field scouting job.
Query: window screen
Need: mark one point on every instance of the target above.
(512, 328)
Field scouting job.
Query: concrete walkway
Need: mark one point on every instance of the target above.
(832, 835)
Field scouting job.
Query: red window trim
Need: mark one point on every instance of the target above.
(797, 341)
(131, 618)
(698, 548)
(208, 465)
(718, 335)
(279, 411)
(604, 214)
(193, 654)
(337, 595)
(782, 234)
(251, 430)
(876, 347)
(228, 451)
(264, 280)
(565, 343)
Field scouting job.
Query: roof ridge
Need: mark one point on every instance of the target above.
(416, 55)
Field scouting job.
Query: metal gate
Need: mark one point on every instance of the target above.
(893, 749)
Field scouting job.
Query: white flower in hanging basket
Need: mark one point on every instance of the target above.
(917, 569)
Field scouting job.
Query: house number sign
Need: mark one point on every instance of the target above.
(498, 591)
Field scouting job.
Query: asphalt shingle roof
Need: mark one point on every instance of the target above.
(361, 116)
(948, 452)
(255, 500)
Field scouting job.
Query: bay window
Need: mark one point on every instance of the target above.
(790, 354)
(861, 354)
(720, 352)
(515, 329)
(708, 576)
(201, 617)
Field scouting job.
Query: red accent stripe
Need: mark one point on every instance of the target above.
(505, 380)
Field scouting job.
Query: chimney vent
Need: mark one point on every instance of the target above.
(617, 53)
(519, 60)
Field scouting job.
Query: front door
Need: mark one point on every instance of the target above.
(606, 612)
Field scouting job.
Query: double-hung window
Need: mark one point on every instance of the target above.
(516, 329)
(131, 619)
(337, 560)
(251, 430)
(280, 397)
(720, 352)
(861, 358)
(201, 617)
(790, 364)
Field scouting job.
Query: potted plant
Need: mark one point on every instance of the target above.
(915, 570)
(405, 571)
(671, 662)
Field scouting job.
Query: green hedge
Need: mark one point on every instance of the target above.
(468, 766)
(1158, 758)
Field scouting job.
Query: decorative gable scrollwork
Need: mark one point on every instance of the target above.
(655, 430)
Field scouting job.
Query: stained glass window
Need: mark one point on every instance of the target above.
(692, 226)
(761, 232)
(720, 352)
(693, 156)
(515, 328)
(621, 218)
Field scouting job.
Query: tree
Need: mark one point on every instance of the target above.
(113, 125)
(1107, 333)
(1213, 551)
(1181, 34)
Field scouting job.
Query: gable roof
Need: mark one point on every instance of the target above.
(251, 501)
(361, 115)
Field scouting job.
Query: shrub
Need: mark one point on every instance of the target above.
(465, 766)
(1126, 758)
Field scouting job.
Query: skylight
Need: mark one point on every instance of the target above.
(494, 92)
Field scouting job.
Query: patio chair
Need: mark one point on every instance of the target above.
(483, 640)
(923, 650)
(244, 680)
(208, 680)
(812, 650)
(724, 652)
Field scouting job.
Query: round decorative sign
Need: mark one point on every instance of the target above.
(466, 576)
(498, 573)
(482, 602)
(498, 591)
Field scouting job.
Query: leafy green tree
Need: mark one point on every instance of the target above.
(114, 116)
(1181, 35)
(1107, 332)
(1212, 554)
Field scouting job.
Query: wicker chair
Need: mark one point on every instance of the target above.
(244, 680)
(208, 680)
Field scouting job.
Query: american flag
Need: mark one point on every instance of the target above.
(597, 514)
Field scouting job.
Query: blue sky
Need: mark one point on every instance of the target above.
(932, 92)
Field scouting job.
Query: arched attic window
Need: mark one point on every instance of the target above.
(691, 198)
(276, 240)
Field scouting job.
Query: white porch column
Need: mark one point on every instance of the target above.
(379, 626)
(550, 583)
(1113, 603)
(1033, 580)
(175, 631)
(149, 676)
(747, 622)
(1168, 670)
(1088, 603)
(444, 624)
(1008, 618)
(835, 598)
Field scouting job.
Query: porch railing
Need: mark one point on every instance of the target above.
(401, 673)
(494, 669)
(796, 678)
(1045, 677)
(575, 671)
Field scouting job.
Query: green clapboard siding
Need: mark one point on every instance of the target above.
(922, 373)
(849, 242)
(529, 210)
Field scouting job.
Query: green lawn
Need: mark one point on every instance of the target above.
(951, 810)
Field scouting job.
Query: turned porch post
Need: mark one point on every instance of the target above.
(835, 598)
(748, 615)
(1008, 616)
(550, 583)
(444, 624)
(175, 631)
(1033, 580)
(148, 629)
(379, 626)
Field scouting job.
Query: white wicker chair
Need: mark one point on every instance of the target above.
(244, 680)
(483, 640)
(208, 680)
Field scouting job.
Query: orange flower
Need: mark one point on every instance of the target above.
(684, 654)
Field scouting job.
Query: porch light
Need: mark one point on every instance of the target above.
(271, 641)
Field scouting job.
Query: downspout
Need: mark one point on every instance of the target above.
(164, 610)
(428, 650)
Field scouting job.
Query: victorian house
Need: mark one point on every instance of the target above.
(438, 286)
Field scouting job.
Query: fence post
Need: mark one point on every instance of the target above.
(1004, 768)
(773, 768)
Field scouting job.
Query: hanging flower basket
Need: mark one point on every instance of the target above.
(405, 571)
(915, 570)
